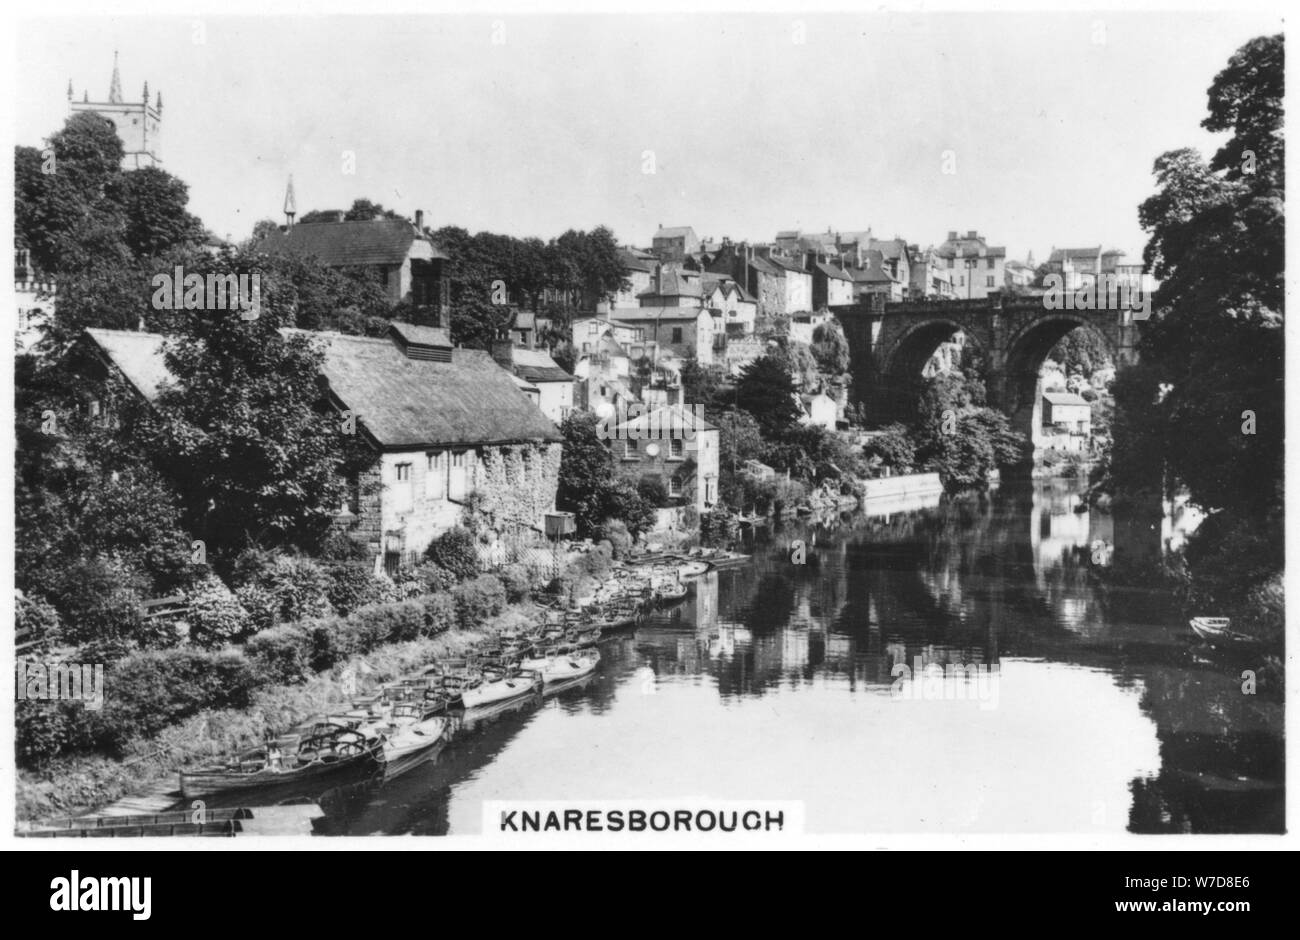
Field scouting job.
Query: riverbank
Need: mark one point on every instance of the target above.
(78, 784)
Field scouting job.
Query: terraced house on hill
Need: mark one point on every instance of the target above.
(444, 423)
(406, 262)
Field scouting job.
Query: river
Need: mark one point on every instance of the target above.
(1097, 711)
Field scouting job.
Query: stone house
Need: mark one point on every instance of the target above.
(539, 371)
(819, 411)
(445, 424)
(407, 264)
(975, 268)
(673, 445)
(683, 331)
(675, 243)
(831, 285)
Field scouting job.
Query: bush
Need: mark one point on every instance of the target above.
(431, 578)
(339, 545)
(43, 730)
(615, 532)
(653, 490)
(439, 613)
(100, 599)
(261, 606)
(478, 600)
(517, 582)
(389, 623)
(252, 566)
(282, 654)
(37, 618)
(152, 690)
(299, 586)
(455, 552)
(353, 585)
(719, 527)
(216, 617)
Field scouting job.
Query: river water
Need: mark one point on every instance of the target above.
(1096, 711)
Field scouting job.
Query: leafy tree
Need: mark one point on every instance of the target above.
(830, 348)
(1212, 351)
(589, 487)
(891, 447)
(243, 433)
(766, 391)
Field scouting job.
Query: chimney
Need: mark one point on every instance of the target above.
(419, 221)
(809, 260)
(502, 352)
(972, 234)
(952, 236)
(659, 277)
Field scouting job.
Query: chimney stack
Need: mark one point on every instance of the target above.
(419, 221)
(952, 236)
(972, 234)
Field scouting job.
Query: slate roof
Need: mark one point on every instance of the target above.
(1060, 254)
(536, 365)
(678, 231)
(671, 417)
(628, 316)
(632, 262)
(339, 244)
(1065, 398)
(833, 272)
(674, 285)
(890, 248)
(138, 356)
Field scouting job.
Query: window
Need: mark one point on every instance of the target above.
(950, 262)
(676, 448)
(435, 480)
(677, 334)
(459, 475)
(961, 280)
(674, 487)
(710, 491)
(629, 450)
(991, 265)
(402, 496)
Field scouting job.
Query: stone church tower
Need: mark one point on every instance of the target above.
(138, 124)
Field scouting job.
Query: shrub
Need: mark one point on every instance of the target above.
(455, 552)
(154, 689)
(615, 532)
(216, 617)
(389, 623)
(596, 563)
(261, 606)
(431, 578)
(100, 598)
(653, 490)
(43, 730)
(719, 527)
(353, 585)
(282, 654)
(478, 600)
(439, 613)
(252, 566)
(339, 545)
(517, 582)
(299, 586)
(37, 618)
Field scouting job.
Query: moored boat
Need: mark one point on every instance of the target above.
(560, 667)
(332, 750)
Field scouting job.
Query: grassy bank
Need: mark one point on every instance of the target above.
(75, 784)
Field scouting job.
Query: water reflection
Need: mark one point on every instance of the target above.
(779, 681)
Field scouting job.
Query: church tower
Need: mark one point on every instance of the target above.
(138, 124)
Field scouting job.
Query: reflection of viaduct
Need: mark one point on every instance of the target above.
(890, 344)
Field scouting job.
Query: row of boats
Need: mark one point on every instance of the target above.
(406, 721)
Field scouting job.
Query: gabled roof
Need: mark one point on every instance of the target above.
(787, 264)
(890, 248)
(634, 262)
(138, 356)
(1065, 398)
(833, 272)
(524, 320)
(536, 365)
(674, 285)
(627, 316)
(1061, 254)
(340, 244)
(403, 403)
(667, 418)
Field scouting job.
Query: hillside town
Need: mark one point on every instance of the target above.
(365, 457)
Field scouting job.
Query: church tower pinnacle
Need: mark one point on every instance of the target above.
(290, 204)
(115, 88)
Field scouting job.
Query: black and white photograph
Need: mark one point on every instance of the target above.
(701, 426)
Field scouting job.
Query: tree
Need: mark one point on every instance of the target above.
(891, 447)
(700, 384)
(243, 432)
(1212, 352)
(830, 348)
(588, 486)
(767, 392)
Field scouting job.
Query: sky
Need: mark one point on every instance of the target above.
(737, 125)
